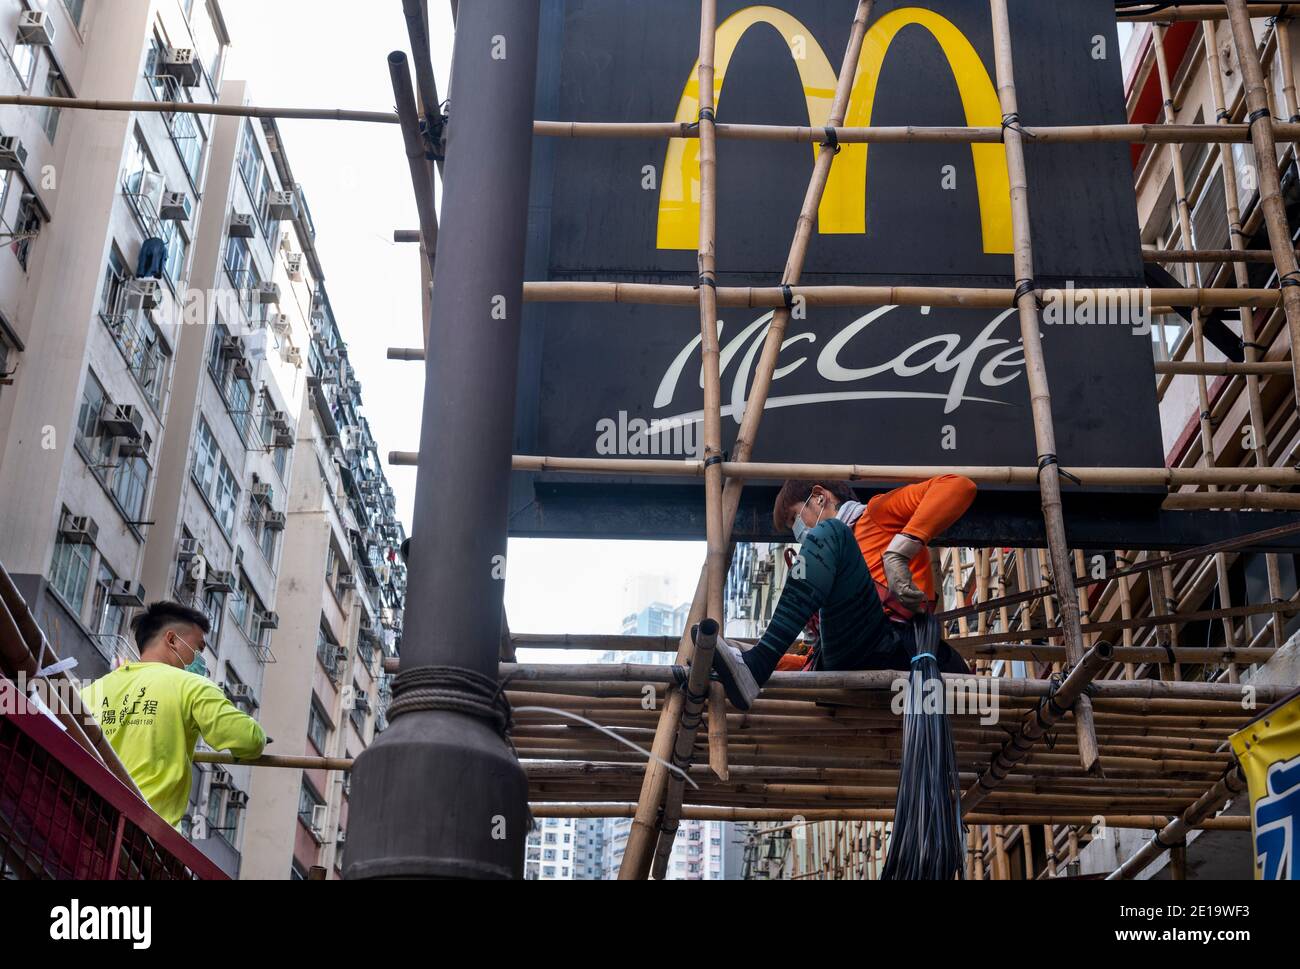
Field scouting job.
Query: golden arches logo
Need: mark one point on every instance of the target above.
(844, 204)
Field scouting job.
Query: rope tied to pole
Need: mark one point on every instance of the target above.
(1026, 287)
(1045, 460)
(832, 139)
(453, 688)
(1013, 121)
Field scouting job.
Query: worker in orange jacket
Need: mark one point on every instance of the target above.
(862, 569)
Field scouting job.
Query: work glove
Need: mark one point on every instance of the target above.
(898, 571)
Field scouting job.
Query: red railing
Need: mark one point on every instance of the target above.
(64, 815)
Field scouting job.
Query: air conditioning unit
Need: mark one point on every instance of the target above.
(220, 777)
(243, 369)
(319, 818)
(293, 266)
(282, 439)
(340, 656)
(282, 205)
(239, 693)
(342, 838)
(183, 64)
(79, 529)
(361, 702)
(124, 592)
(237, 799)
(143, 294)
(268, 620)
(13, 156)
(242, 226)
(268, 293)
(190, 548)
(122, 420)
(348, 580)
(278, 322)
(220, 581)
(35, 27)
(261, 492)
(175, 207)
(231, 346)
(127, 448)
(280, 420)
(274, 520)
(293, 357)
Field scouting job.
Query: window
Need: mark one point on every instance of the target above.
(307, 800)
(27, 226)
(318, 728)
(141, 180)
(55, 87)
(96, 448)
(75, 9)
(211, 606)
(115, 277)
(130, 482)
(106, 618)
(177, 246)
(215, 479)
(22, 59)
(70, 571)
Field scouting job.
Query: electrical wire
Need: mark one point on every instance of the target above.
(928, 839)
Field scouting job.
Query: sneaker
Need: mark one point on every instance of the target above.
(734, 675)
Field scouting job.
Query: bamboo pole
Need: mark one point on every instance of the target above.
(1137, 134)
(1175, 832)
(1049, 481)
(1270, 186)
(635, 859)
(964, 297)
(981, 474)
(1221, 368)
(1240, 256)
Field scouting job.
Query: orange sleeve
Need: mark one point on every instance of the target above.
(925, 509)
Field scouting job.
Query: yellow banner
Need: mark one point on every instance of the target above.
(1268, 749)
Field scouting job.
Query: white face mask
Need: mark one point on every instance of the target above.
(799, 528)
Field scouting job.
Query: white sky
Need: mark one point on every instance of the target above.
(333, 53)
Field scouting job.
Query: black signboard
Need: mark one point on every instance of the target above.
(867, 385)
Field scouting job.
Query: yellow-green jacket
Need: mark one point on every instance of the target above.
(153, 714)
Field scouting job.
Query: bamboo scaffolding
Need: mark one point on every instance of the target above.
(1237, 239)
(634, 861)
(1270, 185)
(1208, 451)
(717, 536)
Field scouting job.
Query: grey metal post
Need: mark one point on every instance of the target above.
(440, 793)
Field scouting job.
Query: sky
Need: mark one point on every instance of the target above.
(333, 54)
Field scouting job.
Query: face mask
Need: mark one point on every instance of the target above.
(195, 665)
(799, 528)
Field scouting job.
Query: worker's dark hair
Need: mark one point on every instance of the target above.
(794, 493)
(160, 615)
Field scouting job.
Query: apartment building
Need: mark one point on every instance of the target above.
(178, 415)
(100, 210)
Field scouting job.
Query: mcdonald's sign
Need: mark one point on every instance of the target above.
(894, 385)
(843, 207)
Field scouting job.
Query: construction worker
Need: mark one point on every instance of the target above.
(153, 711)
(862, 569)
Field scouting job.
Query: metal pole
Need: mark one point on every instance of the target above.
(440, 793)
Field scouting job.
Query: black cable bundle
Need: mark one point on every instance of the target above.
(928, 841)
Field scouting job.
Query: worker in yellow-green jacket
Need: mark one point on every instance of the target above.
(154, 711)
